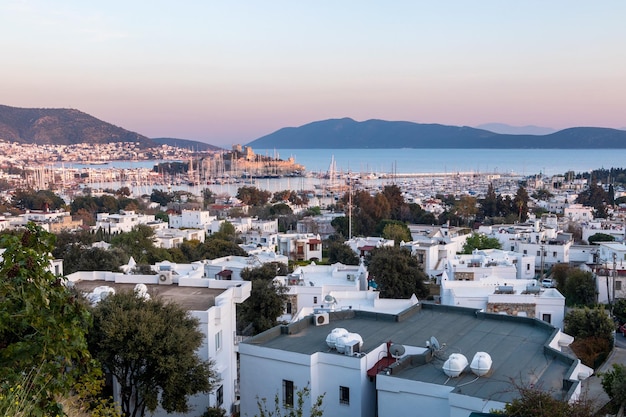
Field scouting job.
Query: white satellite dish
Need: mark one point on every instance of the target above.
(434, 343)
(396, 350)
(330, 299)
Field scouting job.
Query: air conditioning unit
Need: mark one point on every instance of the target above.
(351, 277)
(352, 347)
(165, 277)
(321, 319)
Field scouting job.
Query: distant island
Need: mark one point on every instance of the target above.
(347, 133)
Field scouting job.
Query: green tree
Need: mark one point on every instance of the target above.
(535, 402)
(466, 208)
(396, 272)
(149, 346)
(614, 384)
(253, 196)
(489, 204)
(397, 231)
(589, 322)
(579, 288)
(480, 241)
(267, 298)
(340, 252)
(521, 203)
(29, 199)
(297, 410)
(600, 237)
(138, 243)
(619, 310)
(595, 197)
(42, 323)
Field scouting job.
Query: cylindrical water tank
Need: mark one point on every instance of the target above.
(331, 339)
(481, 364)
(455, 364)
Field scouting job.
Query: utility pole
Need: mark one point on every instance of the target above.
(350, 212)
(614, 276)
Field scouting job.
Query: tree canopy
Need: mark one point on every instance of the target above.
(396, 272)
(267, 298)
(480, 241)
(149, 346)
(43, 324)
(340, 252)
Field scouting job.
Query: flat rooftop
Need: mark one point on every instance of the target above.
(515, 344)
(189, 298)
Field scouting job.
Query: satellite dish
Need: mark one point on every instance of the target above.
(330, 299)
(434, 343)
(396, 350)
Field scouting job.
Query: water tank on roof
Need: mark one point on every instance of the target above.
(343, 341)
(455, 364)
(481, 364)
(331, 339)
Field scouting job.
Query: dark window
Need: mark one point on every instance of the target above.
(546, 317)
(314, 300)
(618, 285)
(344, 395)
(554, 254)
(525, 252)
(288, 308)
(219, 395)
(287, 393)
(538, 253)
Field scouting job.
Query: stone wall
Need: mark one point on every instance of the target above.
(512, 309)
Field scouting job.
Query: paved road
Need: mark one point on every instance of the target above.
(592, 386)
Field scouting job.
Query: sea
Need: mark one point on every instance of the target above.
(520, 162)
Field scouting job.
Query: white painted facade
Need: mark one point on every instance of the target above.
(217, 324)
(192, 219)
(173, 238)
(124, 221)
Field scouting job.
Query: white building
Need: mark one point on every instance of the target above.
(487, 263)
(316, 287)
(607, 227)
(211, 301)
(364, 245)
(300, 246)
(513, 297)
(578, 213)
(124, 221)
(388, 365)
(173, 238)
(192, 219)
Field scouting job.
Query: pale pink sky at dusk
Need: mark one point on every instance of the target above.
(230, 72)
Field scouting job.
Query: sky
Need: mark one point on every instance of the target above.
(226, 72)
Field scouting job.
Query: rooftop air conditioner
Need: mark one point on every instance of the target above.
(165, 278)
(321, 319)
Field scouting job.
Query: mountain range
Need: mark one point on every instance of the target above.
(347, 133)
(70, 126)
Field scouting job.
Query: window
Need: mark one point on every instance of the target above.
(554, 254)
(538, 253)
(218, 341)
(546, 317)
(525, 252)
(528, 267)
(219, 396)
(314, 300)
(287, 393)
(288, 308)
(344, 395)
(618, 285)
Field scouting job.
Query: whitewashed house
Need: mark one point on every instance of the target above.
(405, 363)
(213, 302)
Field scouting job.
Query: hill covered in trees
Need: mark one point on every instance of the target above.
(347, 133)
